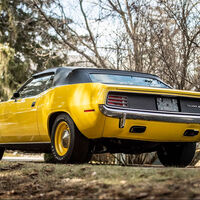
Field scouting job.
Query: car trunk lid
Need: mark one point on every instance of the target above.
(153, 99)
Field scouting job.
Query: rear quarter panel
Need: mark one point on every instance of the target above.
(74, 100)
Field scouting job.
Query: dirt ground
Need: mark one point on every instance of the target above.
(27, 180)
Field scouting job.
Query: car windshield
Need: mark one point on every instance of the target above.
(127, 80)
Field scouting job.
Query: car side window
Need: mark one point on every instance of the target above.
(36, 86)
(49, 83)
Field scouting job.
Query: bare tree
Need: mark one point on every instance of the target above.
(87, 47)
(160, 37)
(177, 32)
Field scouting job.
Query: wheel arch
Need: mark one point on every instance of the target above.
(52, 118)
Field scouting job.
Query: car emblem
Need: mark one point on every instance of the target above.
(193, 106)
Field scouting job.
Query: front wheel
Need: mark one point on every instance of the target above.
(176, 154)
(1, 152)
(68, 145)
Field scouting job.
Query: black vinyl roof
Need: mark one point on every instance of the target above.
(90, 70)
(71, 75)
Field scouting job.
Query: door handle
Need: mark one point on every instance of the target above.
(33, 104)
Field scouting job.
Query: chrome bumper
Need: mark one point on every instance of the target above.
(124, 114)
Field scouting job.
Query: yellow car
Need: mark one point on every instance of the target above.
(74, 112)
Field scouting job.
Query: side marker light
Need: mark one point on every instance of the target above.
(90, 110)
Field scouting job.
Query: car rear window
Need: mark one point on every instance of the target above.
(127, 80)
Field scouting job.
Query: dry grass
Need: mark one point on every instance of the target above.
(51, 181)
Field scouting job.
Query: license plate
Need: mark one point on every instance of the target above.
(167, 104)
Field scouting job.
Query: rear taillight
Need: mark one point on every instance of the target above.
(117, 100)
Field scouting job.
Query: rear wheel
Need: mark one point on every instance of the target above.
(176, 154)
(1, 152)
(68, 145)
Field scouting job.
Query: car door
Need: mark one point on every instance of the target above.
(26, 129)
(7, 120)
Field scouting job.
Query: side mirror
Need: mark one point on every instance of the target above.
(16, 95)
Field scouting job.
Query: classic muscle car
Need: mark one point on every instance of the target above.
(73, 112)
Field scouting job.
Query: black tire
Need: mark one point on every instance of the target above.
(1, 152)
(78, 145)
(177, 154)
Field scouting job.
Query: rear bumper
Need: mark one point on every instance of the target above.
(149, 115)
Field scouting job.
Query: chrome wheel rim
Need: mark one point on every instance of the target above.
(65, 138)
